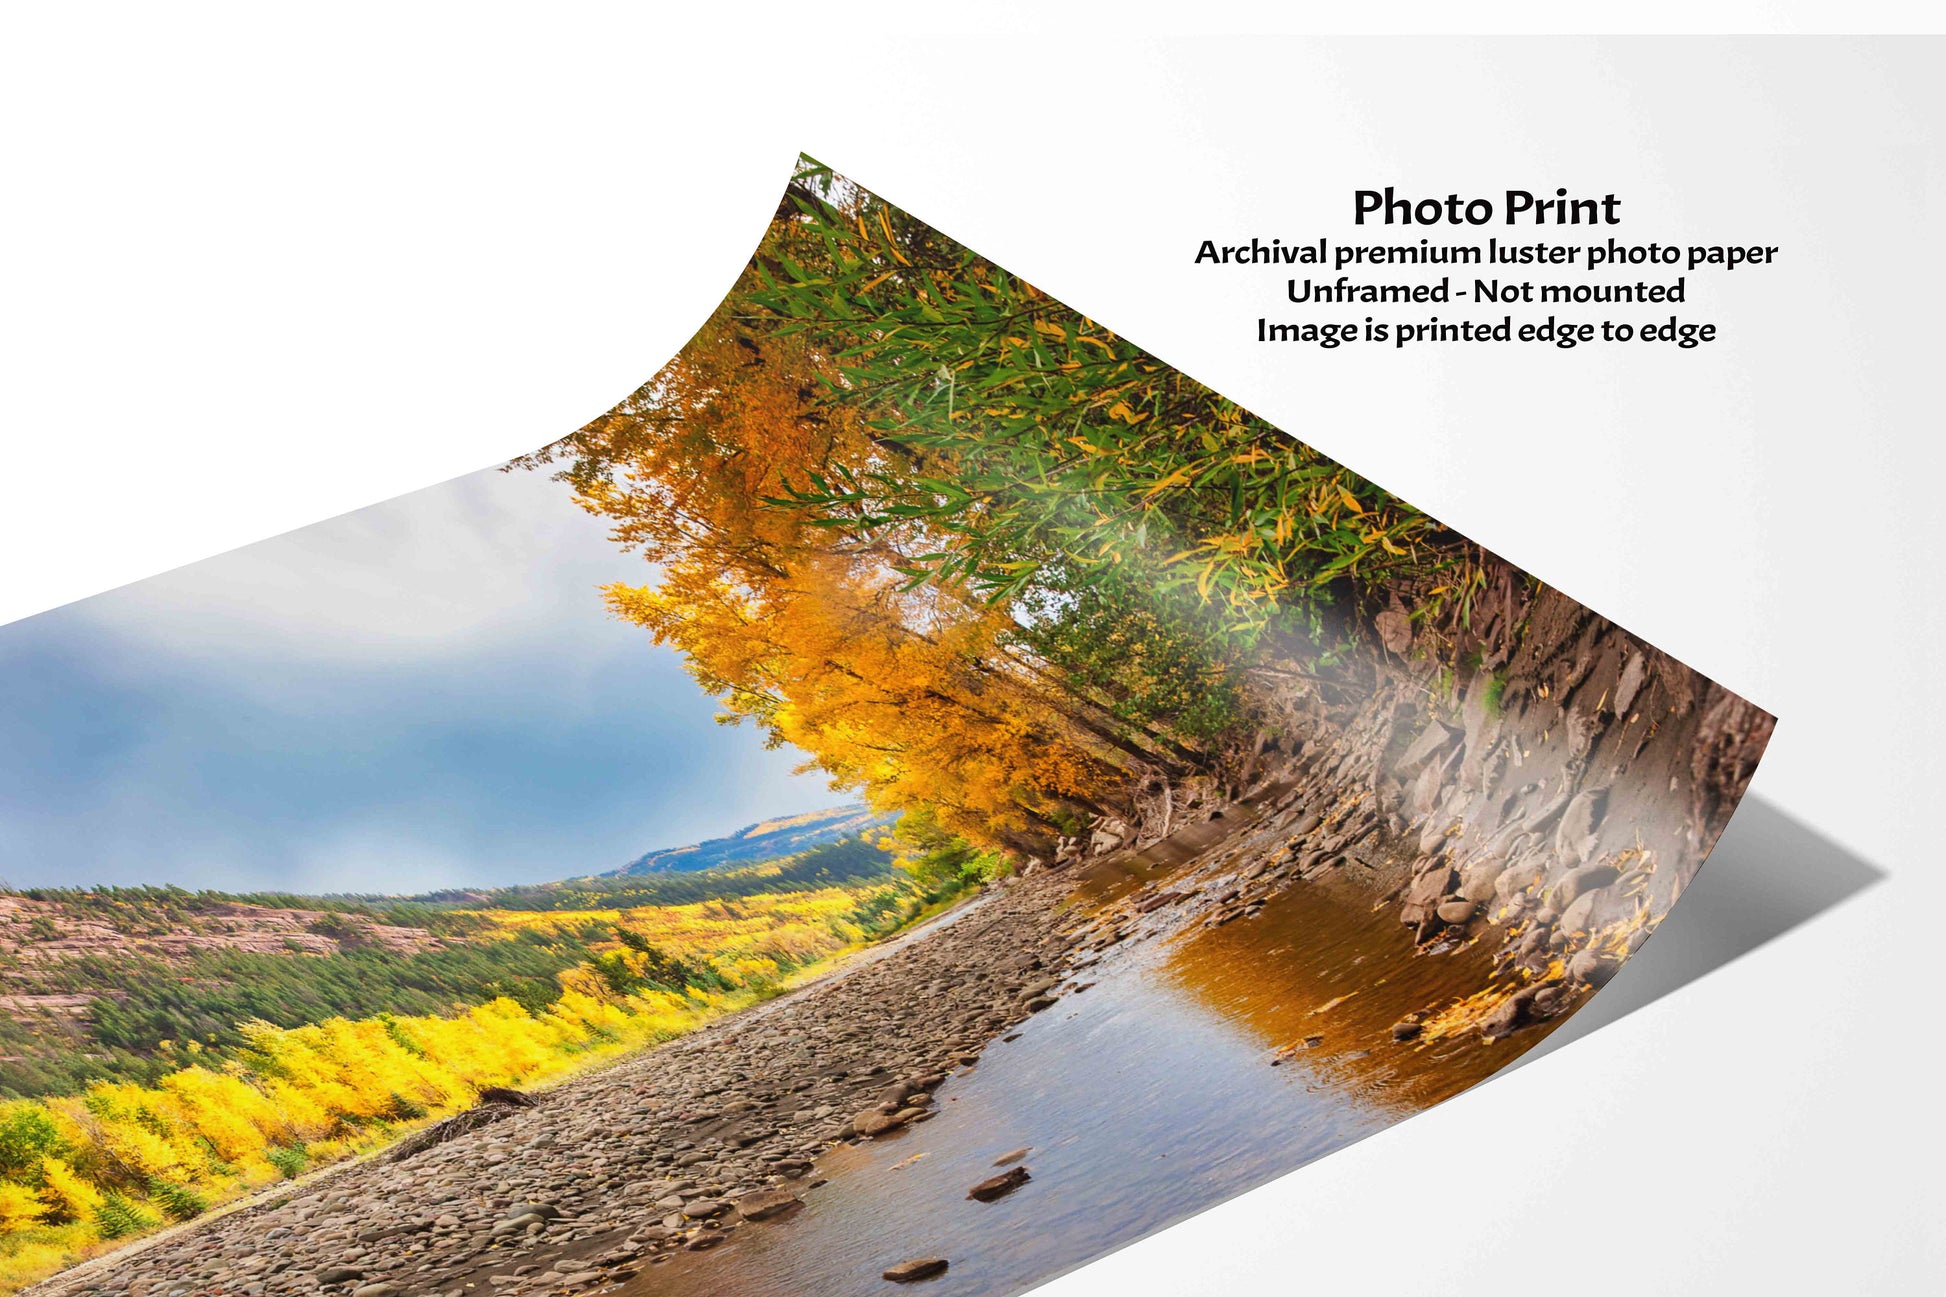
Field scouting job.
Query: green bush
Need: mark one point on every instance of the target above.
(290, 1160)
(119, 1217)
(178, 1202)
(27, 1134)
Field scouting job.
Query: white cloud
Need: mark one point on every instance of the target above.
(424, 693)
(467, 567)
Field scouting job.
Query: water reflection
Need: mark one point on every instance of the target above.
(1322, 979)
(1189, 1072)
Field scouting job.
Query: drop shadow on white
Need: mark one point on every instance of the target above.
(1768, 874)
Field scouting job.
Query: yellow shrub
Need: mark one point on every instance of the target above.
(65, 1192)
(20, 1206)
(25, 1260)
(340, 1087)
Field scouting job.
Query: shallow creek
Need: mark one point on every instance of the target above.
(1192, 1069)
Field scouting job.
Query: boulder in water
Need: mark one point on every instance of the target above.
(765, 1203)
(925, 1267)
(999, 1186)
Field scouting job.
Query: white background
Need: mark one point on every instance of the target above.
(259, 271)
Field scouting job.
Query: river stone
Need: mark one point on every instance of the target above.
(339, 1274)
(1429, 887)
(1157, 900)
(872, 1122)
(1578, 917)
(912, 1271)
(1517, 879)
(1633, 673)
(1578, 882)
(999, 1186)
(1512, 1014)
(1479, 722)
(1575, 838)
(1394, 627)
(1424, 748)
(1592, 967)
(765, 1203)
(519, 1223)
(1478, 882)
(1008, 1159)
(1424, 795)
(1456, 911)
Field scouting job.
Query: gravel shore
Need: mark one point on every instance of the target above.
(673, 1148)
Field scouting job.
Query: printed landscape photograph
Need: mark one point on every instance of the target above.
(920, 792)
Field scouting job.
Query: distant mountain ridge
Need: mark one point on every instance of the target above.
(764, 840)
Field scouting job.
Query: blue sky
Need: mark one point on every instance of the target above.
(425, 693)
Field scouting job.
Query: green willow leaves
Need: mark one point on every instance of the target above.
(1017, 437)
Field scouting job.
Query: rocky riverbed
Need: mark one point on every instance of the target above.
(671, 1150)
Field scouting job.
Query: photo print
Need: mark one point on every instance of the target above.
(921, 792)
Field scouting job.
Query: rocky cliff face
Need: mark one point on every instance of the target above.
(39, 931)
(37, 934)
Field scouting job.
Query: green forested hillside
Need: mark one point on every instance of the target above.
(119, 983)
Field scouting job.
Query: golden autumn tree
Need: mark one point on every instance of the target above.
(904, 701)
(917, 693)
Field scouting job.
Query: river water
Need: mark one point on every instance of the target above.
(1190, 1071)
